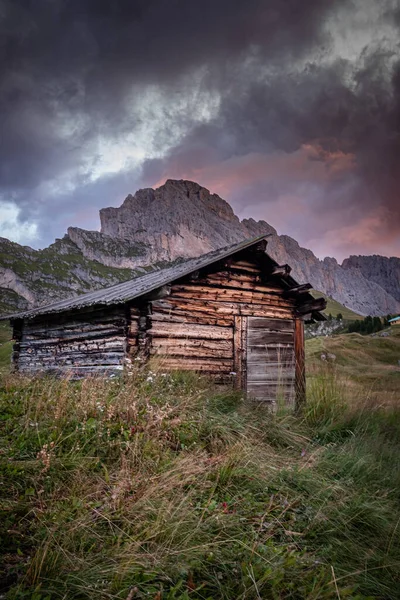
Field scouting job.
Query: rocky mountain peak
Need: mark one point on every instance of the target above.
(182, 219)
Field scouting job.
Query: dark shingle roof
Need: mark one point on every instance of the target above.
(134, 288)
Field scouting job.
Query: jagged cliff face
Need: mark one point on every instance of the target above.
(349, 286)
(180, 219)
(383, 271)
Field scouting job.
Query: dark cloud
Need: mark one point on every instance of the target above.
(69, 72)
(350, 108)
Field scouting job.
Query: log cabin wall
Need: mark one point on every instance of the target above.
(200, 325)
(76, 344)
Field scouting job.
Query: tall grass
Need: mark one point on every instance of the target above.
(160, 486)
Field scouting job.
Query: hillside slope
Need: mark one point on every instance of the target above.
(371, 363)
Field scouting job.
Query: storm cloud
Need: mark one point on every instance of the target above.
(290, 110)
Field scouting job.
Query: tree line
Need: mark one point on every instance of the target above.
(369, 325)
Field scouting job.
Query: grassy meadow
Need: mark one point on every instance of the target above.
(162, 486)
(334, 308)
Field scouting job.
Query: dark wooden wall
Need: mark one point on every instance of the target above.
(203, 325)
(77, 344)
(236, 321)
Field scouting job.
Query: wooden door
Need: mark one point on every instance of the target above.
(270, 360)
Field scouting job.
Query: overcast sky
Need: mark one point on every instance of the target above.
(288, 109)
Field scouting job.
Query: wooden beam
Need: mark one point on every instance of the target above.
(261, 247)
(298, 290)
(312, 306)
(282, 270)
(300, 367)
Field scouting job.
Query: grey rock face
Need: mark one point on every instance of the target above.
(380, 269)
(348, 286)
(178, 219)
(182, 219)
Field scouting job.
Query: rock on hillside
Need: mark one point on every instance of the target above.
(180, 219)
(33, 277)
(380, 269)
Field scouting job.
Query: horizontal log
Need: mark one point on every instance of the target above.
(316, 305)
(215, 308)
(230, 295)
(260, 336)
(255, 372)
(221, 277)
(195, 317)
(242, 265)
(196, 348)
(133, 327)
(282, 270)
(51, 322)
(179, 330)
(276, 325)
(192, 364)
(87, 336)
(298, 290)
(240, 283)
(74, 372)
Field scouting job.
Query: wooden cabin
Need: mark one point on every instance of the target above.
(233, 314)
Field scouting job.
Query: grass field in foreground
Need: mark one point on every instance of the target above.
(5, 347)
(370, 363)
(160, 486)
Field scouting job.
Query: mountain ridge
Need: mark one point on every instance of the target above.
(179, 220)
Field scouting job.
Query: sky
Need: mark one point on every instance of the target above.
(288, 109)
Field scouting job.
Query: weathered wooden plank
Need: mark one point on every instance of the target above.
(270, 374)
(238, 356)
(282, 270)
(298, 290)
(181, 330)
(231, 295)
(218, 307)
(244, 342)
(311, 306)
(78, 335)
(300, 364)
(208, 344)
(95, 338)
(49, 322)
(270, 393)
(221, 277)
(244, 265)
(238, 281)
(192, 364)
(270, 358)
(283, 325)
(261, 336)
(201, 318)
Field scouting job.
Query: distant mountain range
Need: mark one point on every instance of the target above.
(179, 220)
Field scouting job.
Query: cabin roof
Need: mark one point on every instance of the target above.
(145, 284)
(394, 319)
